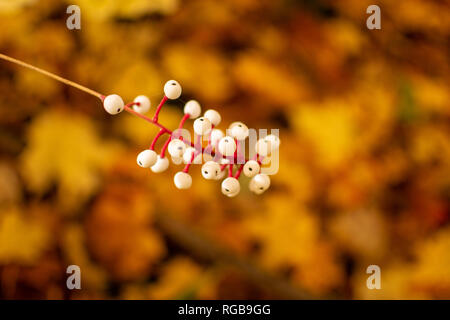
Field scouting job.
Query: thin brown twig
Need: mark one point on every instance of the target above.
(51, 75)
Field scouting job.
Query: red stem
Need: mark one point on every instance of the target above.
(128, 109)
(260, 159)
(183, 120)
(163, 150)
(186, 168)
(159, 134)
(230, 170)
(209, 147)
(209, 138)
(198, 144)
(217, 155)
(158, 109)
(240, 155)
(238, 173)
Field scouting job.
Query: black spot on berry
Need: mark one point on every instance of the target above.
(206, 172)
(227, 190)
(118, 110)
(250, 169)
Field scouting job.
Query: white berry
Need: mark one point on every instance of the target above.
(260, 183)
(202, 126)
(251, 168)
(210, 170)
(251, 186)
(192, 107)
(176, 148)
(227, 146)
(216, 135)
(221, 174)
(172, 89)
(213, 116)
(144, 104)
(233, 124)
(146, 158)
(182, 180)
(239, 130)
(263, 147)
(161, 165)
(274, 141)
(113, 104)
(230, 187)
(187, 156)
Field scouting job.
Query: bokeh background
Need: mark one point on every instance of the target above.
(364, 162)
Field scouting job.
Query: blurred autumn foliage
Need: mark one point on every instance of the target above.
(364, 162)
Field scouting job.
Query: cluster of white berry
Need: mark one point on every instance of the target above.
(221, 153)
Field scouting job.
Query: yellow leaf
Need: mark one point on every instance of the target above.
(180, 274)
(22, 239)
(9, 6)
(270, 81)
(331, 131)
(136, 8)
(195, 69)
(282, 227)
(432, 273)
(106, 9)
(64, 149)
